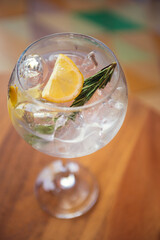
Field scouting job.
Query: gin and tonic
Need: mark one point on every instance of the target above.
(67, 128)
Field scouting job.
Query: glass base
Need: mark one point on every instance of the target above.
(65, 189)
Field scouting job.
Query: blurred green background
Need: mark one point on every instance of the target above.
(130, 28)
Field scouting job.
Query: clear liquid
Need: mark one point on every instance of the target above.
(92, 128)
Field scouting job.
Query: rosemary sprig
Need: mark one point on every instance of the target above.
(91, 84)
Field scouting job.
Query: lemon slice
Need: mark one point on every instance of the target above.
(65, 82)
(13, 92)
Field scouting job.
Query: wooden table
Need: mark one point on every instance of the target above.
(128, 171)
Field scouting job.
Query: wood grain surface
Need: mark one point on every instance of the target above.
(128, 171)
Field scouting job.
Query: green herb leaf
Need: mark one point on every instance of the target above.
(91, 84)
(31, 139)
(44, 129)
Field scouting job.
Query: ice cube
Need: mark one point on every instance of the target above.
(89, 62)
(91, 138)
(71, 128)
(53, 57)
(61, 121)
(26, 111)
(51, 60)
(44, 118)
(103, 112)
(77, 59)
(31, 71)
(92, 57)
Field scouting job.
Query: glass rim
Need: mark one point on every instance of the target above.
(50, 105)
